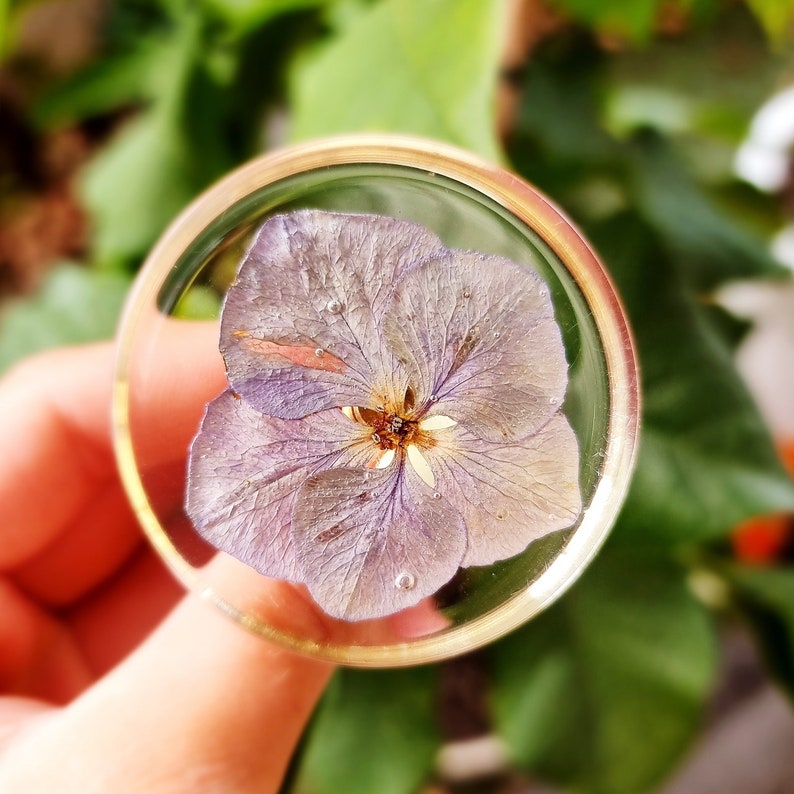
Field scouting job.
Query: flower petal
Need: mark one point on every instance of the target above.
(437, 422)
(509, 494)
(300, 329)
(245, 469)
(372, 543)
(480, 334)
(420, 464)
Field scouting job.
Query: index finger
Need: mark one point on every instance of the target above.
(56, 424)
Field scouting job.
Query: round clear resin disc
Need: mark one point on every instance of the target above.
(214, 338)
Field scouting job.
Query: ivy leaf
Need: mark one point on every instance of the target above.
(241, 17)
(344, 755)
(106, 85)
(135, 186)
(709, 246)
(73, 305)
(706, 461)
(766, 596)
(560, 110)
(406, 66)
(204, 83)
(603, 692)
(160, 159)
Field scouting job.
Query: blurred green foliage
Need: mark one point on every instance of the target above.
(345, 752)
(73, 305)
(766, 597)
(601, 692)
(632, 131)
(432, 67)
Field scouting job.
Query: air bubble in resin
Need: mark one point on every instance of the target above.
(405, 581)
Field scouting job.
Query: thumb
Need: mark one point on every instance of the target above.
(201, 706)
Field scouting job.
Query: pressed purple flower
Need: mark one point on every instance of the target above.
(393, 413)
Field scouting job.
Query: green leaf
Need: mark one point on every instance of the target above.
(5, 28)
(637, 106)
(706, 461)
(160, 159)
(708, 245)
(106, 85)
(427, 68)
(776, 16)
(205, 86)
(374, 731)
(766, 596)
(73, 305)
(560, 110)
(135, 186)
(603, 692)
(240, 17)
(630, 19)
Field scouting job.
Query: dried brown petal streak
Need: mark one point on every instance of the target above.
(311, 357)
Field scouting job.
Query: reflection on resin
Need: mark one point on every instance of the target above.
(393, 413)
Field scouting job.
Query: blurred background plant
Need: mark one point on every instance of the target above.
(629, 113)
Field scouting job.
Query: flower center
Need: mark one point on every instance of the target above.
(391, 432)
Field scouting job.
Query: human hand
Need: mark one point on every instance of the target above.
(96, 696)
